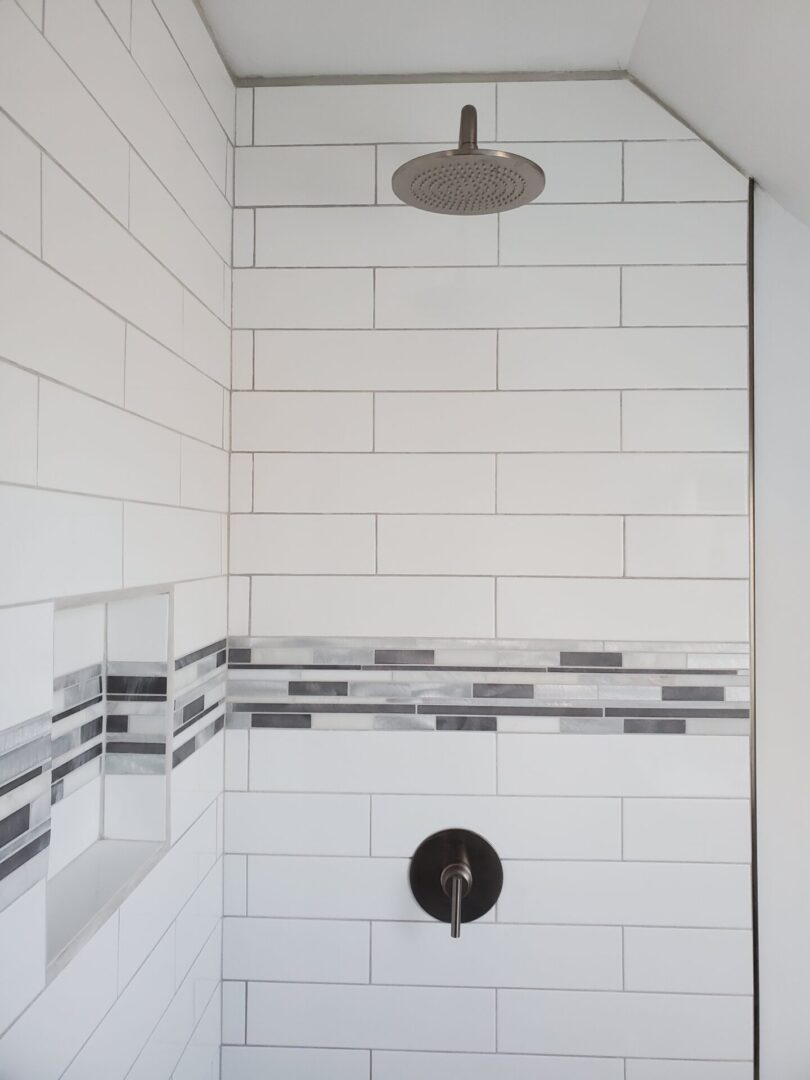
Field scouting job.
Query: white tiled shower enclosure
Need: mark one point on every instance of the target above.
(487, 548)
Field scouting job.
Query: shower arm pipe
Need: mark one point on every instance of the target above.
(468, 129)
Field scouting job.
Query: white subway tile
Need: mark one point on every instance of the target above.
(639, 1069)
(372, 761)
(239, 605)
(375, 483)
(20, 194)
(623, 610)
(200, 53)
(40, 92)
(94, 51)
(84, 243)
(140, 460)
(57, 545)
(200, 614)
(631, 1025)
(166, 69)
(499, 296)
(244, 237)
(518, 828)
(167, 389)
(375, 360)
(296, 950)
(244, 115)
(623, 483)
(304, 175)
(200, 1060)
(293, 1063)
(165, 544)
(623, 358)
(373, 236)
(78, 638)
(34, 9)
(409, 112)
(373, 606)
(688, 830)
(27, 643)
(492, 544)
(206, 340)
(497, 421)
(162, 226)
(685, 420)
(397, 1065)
(679, 172)
(119, 12)
(634, 765)
(575, 172)
(684, 296)
(688, 961)
(302, 298)
(301, 421)
(710, 547)
(203, 476)
(197, 783)
(242, 359)
(18, 425)
(49, 325)
(624, 233)
(236, 742)
(241, 501)
(234, 882)
(534, 957)
(201, 917)
(75, 825)
(371, 1016)
(49, 1034)
(260, 823)
(22, 940)
(302, 544)
(622, 893)
(330, 888)
(234, 1006)
(592, 109)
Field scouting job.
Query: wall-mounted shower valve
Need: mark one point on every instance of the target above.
(456, 876)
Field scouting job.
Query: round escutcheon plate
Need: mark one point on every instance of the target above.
(456, 846)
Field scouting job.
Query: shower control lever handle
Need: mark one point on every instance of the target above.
(456, 881)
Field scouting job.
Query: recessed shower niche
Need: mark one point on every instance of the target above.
(109, 730)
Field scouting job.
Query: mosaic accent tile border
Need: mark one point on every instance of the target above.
(682, 688)
(77, 730)
(136, 699)
(200, 699)
(25, 805)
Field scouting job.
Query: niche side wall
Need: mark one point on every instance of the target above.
(489, 569)
(116, 137)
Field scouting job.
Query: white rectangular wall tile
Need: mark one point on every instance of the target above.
(688, 961)
(241, 490)
(20, 193)
(679, 171)
(397, 1065)
(244, 1062)
(206, 340)
(371, 1016)
(687, 830)
(705, 547)
(18, 425)
(242, 360)
(259, 823)
(490, 544)
(233, 1012)
(625, 357)
(200, 614)
(685, 420)
(373, 236)
(304, 175)
(302, 298)
(234, 887)
(299, 544)
(244, 115)
(640, 1069)
(498, 296)
(27, 643)
(22, 939)
(164, 544)
(244, 237)
(203, 476)
(372, 606)
(296, 950)
(374, 483)
(377, 761)
(633, 483)
(624, 233)
(631, 1025)
(238, 605)
(375, 360)
(633, 765)
(298, 421)
(119, 12)
(684, 296)
(497, 421)
(623, 610)
(290, 115)
(587, 110)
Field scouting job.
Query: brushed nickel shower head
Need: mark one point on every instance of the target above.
(468, 180)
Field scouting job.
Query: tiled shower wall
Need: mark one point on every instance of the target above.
(489, 558)
(116, 143)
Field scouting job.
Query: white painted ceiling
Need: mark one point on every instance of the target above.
(276, 38)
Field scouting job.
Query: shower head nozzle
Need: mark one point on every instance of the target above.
(468, 180)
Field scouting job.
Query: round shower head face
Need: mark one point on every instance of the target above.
(468, 181)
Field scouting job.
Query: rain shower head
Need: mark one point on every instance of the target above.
(468, 180)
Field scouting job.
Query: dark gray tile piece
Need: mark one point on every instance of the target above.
(675, 711)
(318, 689)
(591, 659)
(417, 657)
(666, 726)
(281, 720)
(466, 723)
(692, 693)
(503, 690)
(14, 825)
